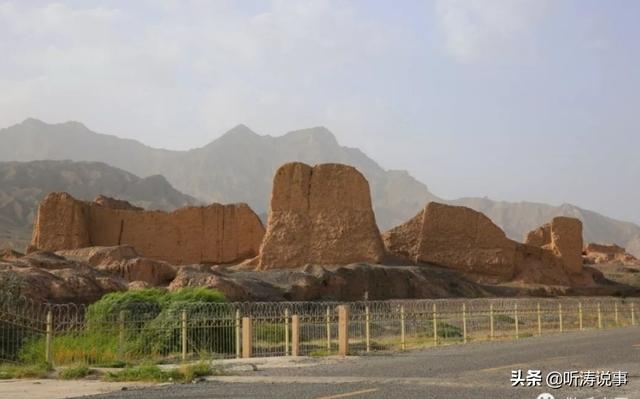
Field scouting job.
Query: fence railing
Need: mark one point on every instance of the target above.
(134, 333)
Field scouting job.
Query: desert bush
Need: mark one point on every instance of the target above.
(152, 328)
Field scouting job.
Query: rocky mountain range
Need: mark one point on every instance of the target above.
(24, 184)
(239, 167)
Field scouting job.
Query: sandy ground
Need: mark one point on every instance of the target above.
(60, 389)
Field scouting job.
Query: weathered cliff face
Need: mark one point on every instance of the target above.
(563, 236)
(212, 234)
(320, 215)
(455, 237)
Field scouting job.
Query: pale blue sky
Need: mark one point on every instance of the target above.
(516, 99)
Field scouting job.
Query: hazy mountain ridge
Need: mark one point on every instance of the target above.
(239, 166)
(236, 167)
(24, 184)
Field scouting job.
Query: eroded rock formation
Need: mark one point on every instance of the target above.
(125, 262)
(44, 276)
(320, 215)
(563, 236)
(603, 253)
(455, 237)
(212, 234)
(9, 254)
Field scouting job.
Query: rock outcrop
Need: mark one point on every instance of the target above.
(212, 234)
(320, 215)
(343, 283)
(124, 262)
(455, 237)
(9, 254)
(563, 236)
(44, 276)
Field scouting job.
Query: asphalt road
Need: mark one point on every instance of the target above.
(477, 370)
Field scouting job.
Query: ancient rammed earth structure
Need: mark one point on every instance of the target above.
(320, 215)
(461, 238)
(456, 237)
(212, 234)
(563, 236)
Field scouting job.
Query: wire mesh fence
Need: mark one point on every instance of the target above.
(134, 333)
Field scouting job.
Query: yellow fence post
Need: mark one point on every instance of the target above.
(615, 312)
(343, 330)
(580, 315)
(599, 316)
(491, 331)
(286, 332)
(184, 335)
(633, 316)
(328, 322)
(367, 328)
(515, 313)
(539, 321)
(247, 333)
(464, 323)
(560, 317)
(121, 335)
(403, 342)
(435, 325)
(48, 348)
(295, 335)
(238, 342)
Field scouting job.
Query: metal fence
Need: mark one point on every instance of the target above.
(134, 333)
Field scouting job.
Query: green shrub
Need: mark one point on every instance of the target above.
(503, 318)
(320, 353)
(39, 370)
(201, 369)
(89, 346)
(446, 330)
(75, 372)
(149, 372)
(272, 333)
(146, 372)
(197, 295)
(152, 319)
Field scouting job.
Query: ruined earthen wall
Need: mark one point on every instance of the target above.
(455, 237)
(563, 237)
(212, 234)
(320, 215)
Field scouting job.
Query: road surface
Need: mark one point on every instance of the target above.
(476, 370)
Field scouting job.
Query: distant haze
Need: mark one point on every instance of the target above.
(515, 100)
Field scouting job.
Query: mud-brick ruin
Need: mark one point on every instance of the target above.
(212, 234)
(319, 216)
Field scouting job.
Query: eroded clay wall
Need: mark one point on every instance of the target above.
(320, 215)
(212, 234)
